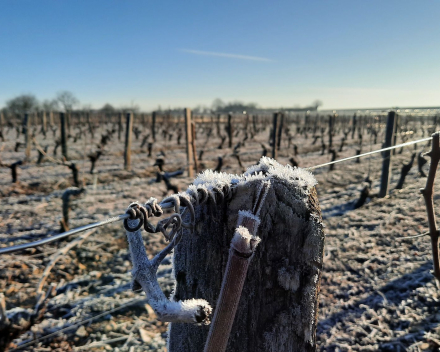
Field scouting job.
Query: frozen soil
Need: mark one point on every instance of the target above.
(377, 290)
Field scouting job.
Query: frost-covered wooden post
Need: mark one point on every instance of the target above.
(27, 135)
(386, 165)
(128, 137)
(277, 310)
(189, 136)
(63, 135)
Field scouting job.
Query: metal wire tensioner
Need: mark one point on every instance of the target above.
(142, 213)
(144, 272)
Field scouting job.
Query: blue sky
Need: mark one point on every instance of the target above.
(349, 54)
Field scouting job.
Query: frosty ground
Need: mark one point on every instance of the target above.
(377, 292)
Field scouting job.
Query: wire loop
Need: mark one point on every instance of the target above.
(135, 214)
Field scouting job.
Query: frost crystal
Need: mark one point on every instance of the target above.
(272, 168)
(212, 179)
(243, 241)
(266, 169)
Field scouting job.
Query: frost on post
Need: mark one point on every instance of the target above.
(278, 306)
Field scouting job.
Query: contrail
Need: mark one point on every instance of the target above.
(231, 56)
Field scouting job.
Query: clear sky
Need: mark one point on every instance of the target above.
(354, 53)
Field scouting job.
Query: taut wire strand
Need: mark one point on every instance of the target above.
(46, 240)
(170, 204)
(369, 153)
(61, 235)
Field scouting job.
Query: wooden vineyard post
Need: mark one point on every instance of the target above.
(276, 124)
(189, 150)
(44, 122)
(331, 119)
(128, 137)
(119, 125)
(153, 126)
(353, 126)
(63, 135)
(218, 125)
(280, 130)
(286, 264)
(386, 165)
(68, 117)
(51, 122)
(27, 135)
(396, 126)
(193, 145)
(230, 130)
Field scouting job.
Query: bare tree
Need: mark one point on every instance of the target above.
(317, 103)
(21, 104)
(49, 105)
(67, 100)
(108, 109)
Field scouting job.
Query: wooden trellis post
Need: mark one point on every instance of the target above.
(27, 135)
(63, 126)
(153, 126)
(119, 125)
(230, 130)
(44, 122)
(68, 118)
(275, 128)
(280, 131)
(189, 150)
(128, 137)
(286, 264)
(386, 165)
(396, 126)
(331, 119)
(353, 126)
(193, 145)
